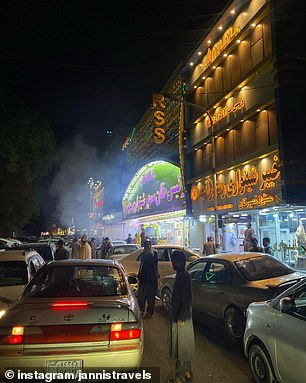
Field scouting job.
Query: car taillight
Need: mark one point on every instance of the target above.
(15, 336)
(124, 331)
(69, 305)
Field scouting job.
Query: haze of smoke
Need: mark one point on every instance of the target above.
(77, 161)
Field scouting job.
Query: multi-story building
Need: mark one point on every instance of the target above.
(246, 154)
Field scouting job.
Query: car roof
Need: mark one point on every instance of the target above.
(82, 262)
(233, 257)
(16, 255)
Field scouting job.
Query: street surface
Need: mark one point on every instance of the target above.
(216, 358)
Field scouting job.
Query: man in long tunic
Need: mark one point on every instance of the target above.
(181, 333)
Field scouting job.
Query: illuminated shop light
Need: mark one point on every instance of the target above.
(199, 53)
(220, 28)
(202, 218)
(233, 11)
(253, 25)
(191, 64)
(275, 215)
(195, 86)
(203, 78)
(209, 42)
(257, 110)
(214, 67)
(238, 41)
(225, 55)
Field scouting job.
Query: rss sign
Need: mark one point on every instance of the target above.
(159, 118)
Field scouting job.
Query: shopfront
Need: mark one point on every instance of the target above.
(155, 200)
(251, 193)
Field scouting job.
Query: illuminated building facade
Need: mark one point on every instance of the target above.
(152, 183)
(249, 73)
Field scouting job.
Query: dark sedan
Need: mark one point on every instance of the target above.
(224, 285)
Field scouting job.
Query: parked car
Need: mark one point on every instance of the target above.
(120, 251)
(131, 261)
(54, 241)
(224, 285)
(73, 315)
(118, 242)
(17, 267)
(45, 250)
(275, 337)
(8, 242)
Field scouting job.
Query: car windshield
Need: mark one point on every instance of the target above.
(125, 249)
(13, 273)
(265, 267)
(77, 281)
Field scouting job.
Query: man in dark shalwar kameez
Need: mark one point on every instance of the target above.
(181, 334)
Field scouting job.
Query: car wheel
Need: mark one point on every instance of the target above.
(260, 364)
(166, 299)
(234, 323)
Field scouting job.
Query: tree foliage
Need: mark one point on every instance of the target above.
(27, 144)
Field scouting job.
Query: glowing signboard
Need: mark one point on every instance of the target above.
(156, 188)
(159, 118)
(250, 186)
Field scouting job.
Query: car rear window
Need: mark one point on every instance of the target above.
(13, 273)
(77, 281)
(265, 267)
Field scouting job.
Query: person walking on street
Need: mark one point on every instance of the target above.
(248, 235)
(135, 239)
(254, 246)
(181, 335)
(143, 237)
(85, 251)
(106, 245)
(147, 280)
(93, 246)
(61, 252)
(266, 244)
(129, 239)
(209, 246)
(75, 248)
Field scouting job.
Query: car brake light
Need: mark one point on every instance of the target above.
(124, 331)
(16, 336)
(69, 305)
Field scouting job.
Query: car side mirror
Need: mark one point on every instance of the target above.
(285, 305)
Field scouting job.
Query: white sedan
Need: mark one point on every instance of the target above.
(275, 337)
(73, 315)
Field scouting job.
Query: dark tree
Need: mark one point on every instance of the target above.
(27, 144)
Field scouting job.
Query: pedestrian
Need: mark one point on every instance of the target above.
(254, 246)
(75, 248)
(248, 235)
(266, 244)
(135, 239)
(147, 279)
(61, 252)
(129, 239)
(209, 246)
(181, 335)
(85, 251)
(106, 245)
(143, 237)
(93, 246)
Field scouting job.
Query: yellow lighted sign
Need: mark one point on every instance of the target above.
(256, 183)
(220, 45)
(159, 118)
(239, 105)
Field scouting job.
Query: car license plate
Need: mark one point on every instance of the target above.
(63, 366)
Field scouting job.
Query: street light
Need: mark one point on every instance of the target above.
(213, 154)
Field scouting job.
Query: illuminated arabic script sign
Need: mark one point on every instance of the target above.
(258, 184)
(239, 105)
(220, 45)
(156, 188)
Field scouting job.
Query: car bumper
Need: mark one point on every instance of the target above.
(126, 359)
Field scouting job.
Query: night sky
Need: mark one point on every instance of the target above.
(88, 66)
